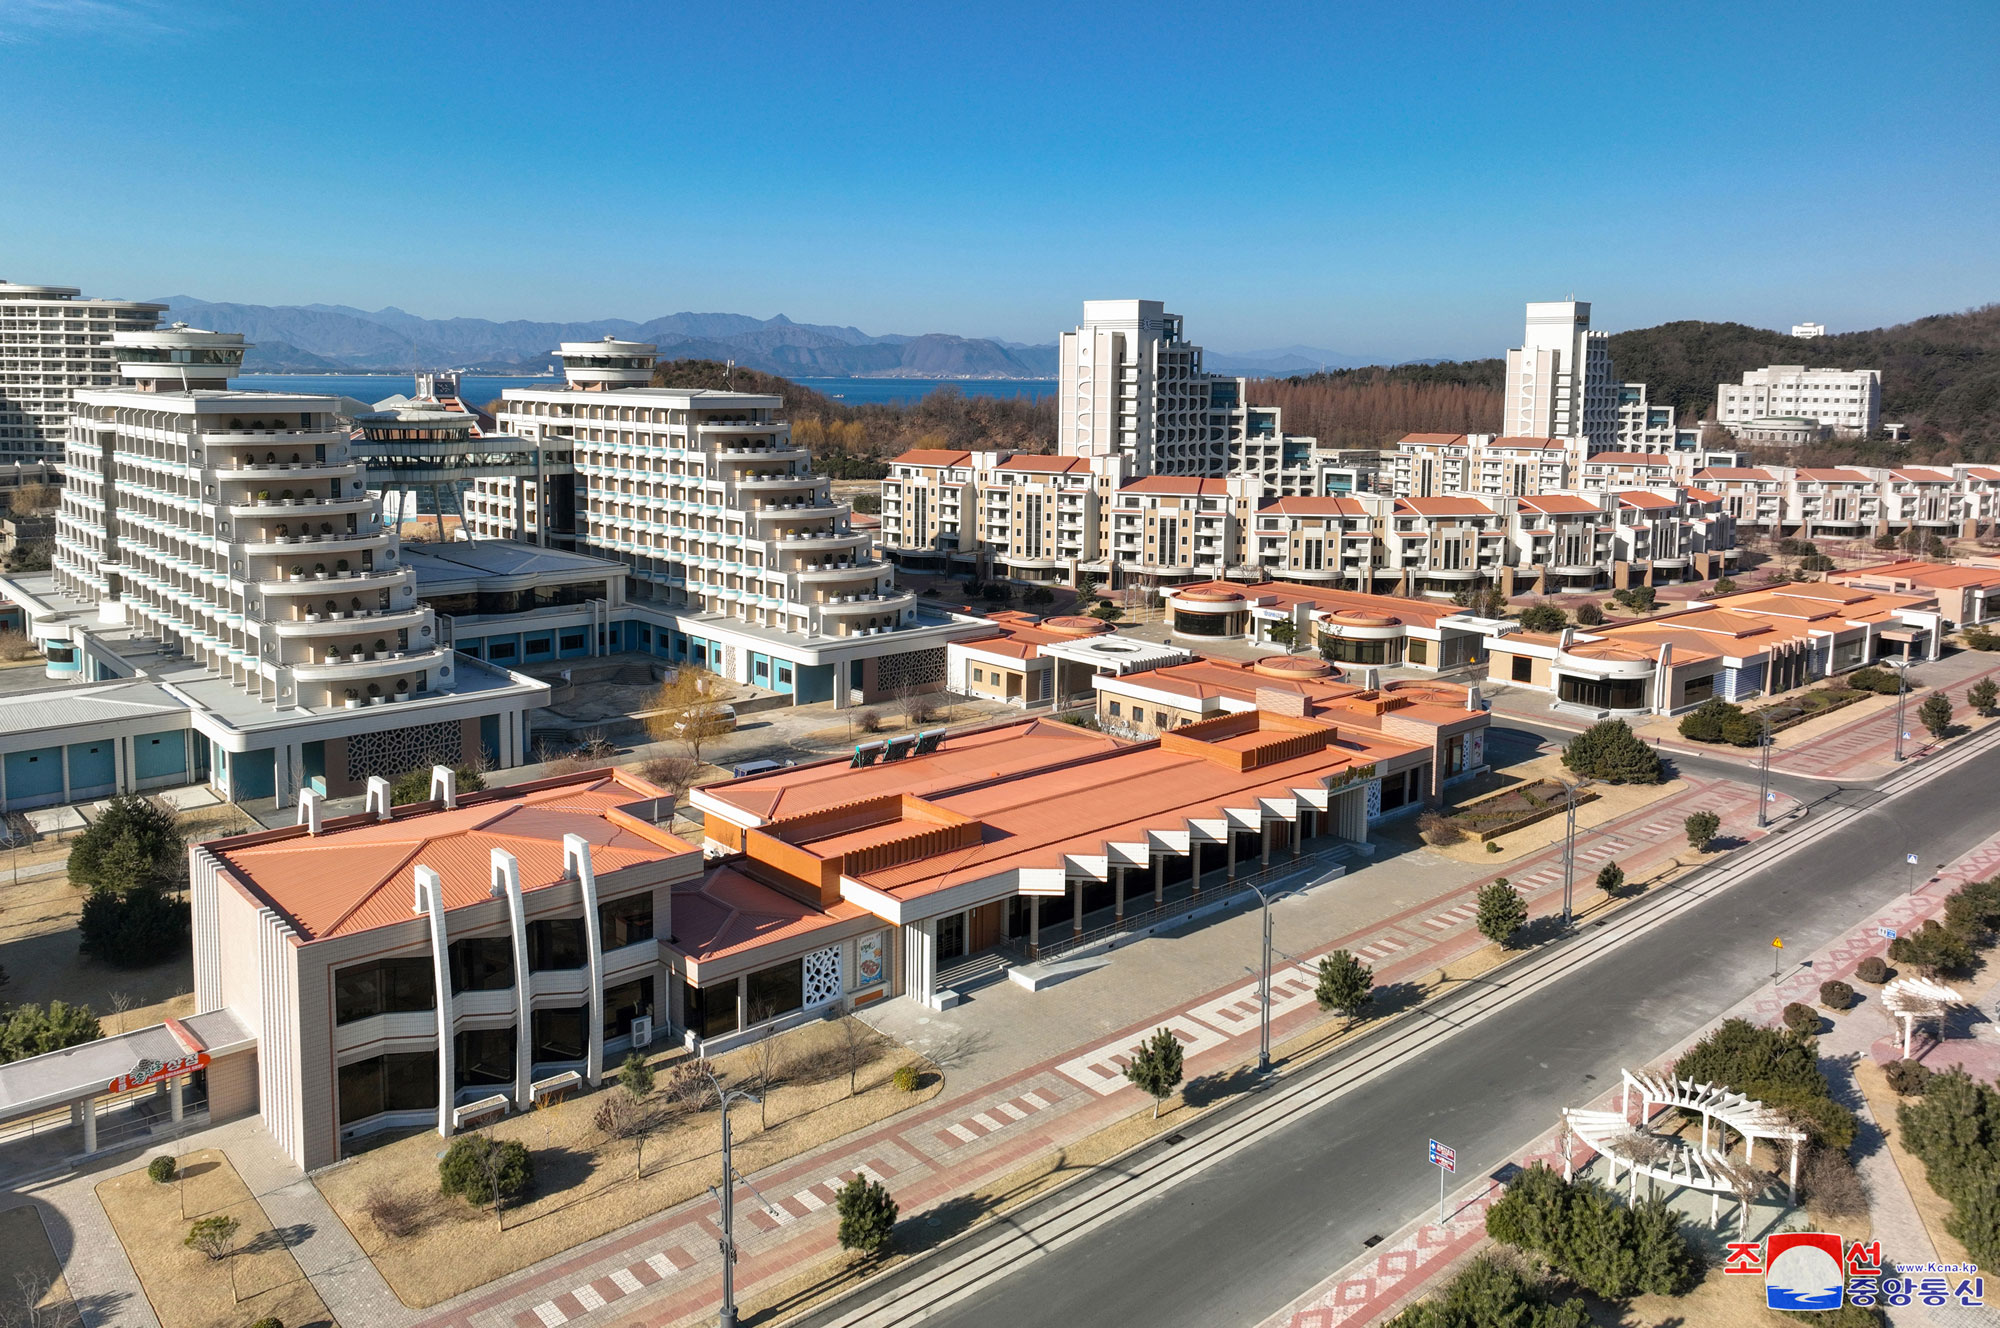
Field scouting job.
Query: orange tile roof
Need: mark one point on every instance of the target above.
(1704, 496)
(1184, 484)
(724, 912)
(1835, 474)
(1422, 612)
(1442, 506)
(1518, 442)
(1733, 473)
(353, 878)
(1983, 472)
(932, 456)
(1058, 464)
(1922, 476)
(1560, 504)
(1039, 821)
(1923, 573)
(1642, 498)
(1313, 507)
(981, 754)
(1204, 677)
(1431, 439)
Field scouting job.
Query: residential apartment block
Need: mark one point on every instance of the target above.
(54, 344)
(1561, 384)
(1844, 402)
(1858, 502)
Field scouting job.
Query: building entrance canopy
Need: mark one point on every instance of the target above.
(126, 1061)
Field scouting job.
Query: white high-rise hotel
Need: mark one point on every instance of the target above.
(1561, 384)
(54, 344)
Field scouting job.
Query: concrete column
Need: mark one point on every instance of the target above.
(120, 766)
(920, 962)
(1159, 881)
(1229, 848)
(87, 1109)
(576, 862)
(1298, 830)
(176, 1097)
(1264, 845)
(1034, 925)
(1076, 922)
(1118, 885)
(1194, 864)
(429, 899)
(505, 875)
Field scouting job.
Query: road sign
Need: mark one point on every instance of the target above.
(1888, 933)
(1772, 796)
(1910, 858)
(1443, 1157)
(1778, 942)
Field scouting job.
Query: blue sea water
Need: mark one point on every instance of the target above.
(480, 389)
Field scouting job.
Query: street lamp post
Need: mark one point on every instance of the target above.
(1264, 987)
(1902, 668)
(725, 1097)
(1569, 848)
(1764, 770)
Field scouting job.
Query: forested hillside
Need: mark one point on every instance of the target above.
(1940, 377)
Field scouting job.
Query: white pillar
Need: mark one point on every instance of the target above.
(507, 881)
(177, 1097)
(920, 962)
(429, 899)
(576, 861)
(88, 1109)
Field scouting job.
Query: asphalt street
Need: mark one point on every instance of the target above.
(1238, 1241)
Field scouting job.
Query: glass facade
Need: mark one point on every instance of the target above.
(561, 1035)
(483, 1056)
(482, 963)
(710, 1011)
(622, 1003)
(773, 991)
(402, 1081)
(555, 944)
(386, 986)
(627, 921)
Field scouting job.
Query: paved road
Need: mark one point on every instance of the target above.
(1238, 1241)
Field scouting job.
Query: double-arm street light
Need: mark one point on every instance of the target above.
(1764, 769)
(1264, 983)
(726, 1194)
(1902, 668)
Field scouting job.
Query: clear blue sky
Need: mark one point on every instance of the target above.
(1381, 179)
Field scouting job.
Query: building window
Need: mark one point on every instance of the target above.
(1202, 624)
(1138, 714)
(1115, 710)
(1698, 689)
(1351, 650)
(626, 921)
(483, 1056)
(1524, 669)
(387, 986)
(710, 1011)
(404, 1081)
(979, 675)
(1418, 651)
(482, 963)
(623, 1003)
(774, 991)
(556, 943)
(561, 1035)
(1603, 693)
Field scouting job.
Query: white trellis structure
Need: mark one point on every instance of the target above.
(1706, 1166)
(1911, 999)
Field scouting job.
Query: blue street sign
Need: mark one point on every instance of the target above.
(1910, 858)
(1442, 1156)
(1889, 933)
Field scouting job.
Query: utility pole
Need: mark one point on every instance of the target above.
(1264, 989)
(1764, 771)
(1902, 668)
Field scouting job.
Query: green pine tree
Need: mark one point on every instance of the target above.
(1345, 984)
(1156, 1067)
(1502, 912)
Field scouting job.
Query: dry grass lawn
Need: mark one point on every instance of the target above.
(587, 1183)
(32, 1289)
(1612, 802)
(187, 1289)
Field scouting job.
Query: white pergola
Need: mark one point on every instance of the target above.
(1700, 1166)
(1910, 999)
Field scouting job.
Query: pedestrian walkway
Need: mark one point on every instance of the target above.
(667, 1267)
(1377, 1285)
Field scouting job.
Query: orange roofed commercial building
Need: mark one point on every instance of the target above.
(438, 964)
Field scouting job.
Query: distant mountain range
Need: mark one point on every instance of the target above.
(334, 338)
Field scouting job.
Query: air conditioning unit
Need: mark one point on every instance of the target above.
(642, 1030)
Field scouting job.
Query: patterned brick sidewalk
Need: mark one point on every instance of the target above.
(668, 1267)
(1373, 1288)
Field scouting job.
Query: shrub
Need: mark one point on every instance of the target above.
(134, 844)
(1606, 1248)
(1954, 1129)
(867, 1214)
(905, 1079)
(1610, 878)
(1832, 1186)
(1156, 1066)
(1704, 722)
(395, 1215)
(1777, 1068)
(1642, 598)
(1835, 994)
(1589, 615)
(869, 721)
(130, 930)
(415, 785)
(1907, 1077)
(32, 1030)
(1725, 586)
(1610, 751)
(1543, 618)
(1873, 970)
(1492, 1291)
(1978, 638)
(635, 1076)
(1932, 950)
(1802, 1019)
(1797, 548)
(475, 1165)
(1982, 696)
(1702, 828)
(1973, 910)
(1345, 984)
(1502, 911)
(1816, 562)
(1935, 714)
(1439, 829)
(214, 1236)
(162, 1169)
(1492, 846)
(1882, 682)
(269, 1321)
(1885, 541)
